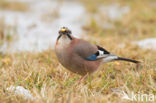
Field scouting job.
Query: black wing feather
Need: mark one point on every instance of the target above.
(102, 49)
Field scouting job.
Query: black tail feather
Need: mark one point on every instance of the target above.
(126, 59)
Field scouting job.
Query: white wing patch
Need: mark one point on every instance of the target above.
(101, 54)
(106, 57)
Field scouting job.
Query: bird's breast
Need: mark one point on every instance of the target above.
(63, 51)
(63, 42)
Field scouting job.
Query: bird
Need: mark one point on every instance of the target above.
(80, 56)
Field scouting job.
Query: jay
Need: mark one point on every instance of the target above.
(80, 56)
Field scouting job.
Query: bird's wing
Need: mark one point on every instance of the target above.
(89, 51)
(92, 52)
(101, 53)
(84, 49)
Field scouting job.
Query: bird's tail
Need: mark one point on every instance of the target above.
(126, 59)
(112, 57)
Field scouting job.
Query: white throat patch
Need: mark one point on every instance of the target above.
(64, 41)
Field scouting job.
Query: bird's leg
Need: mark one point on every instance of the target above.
(82, 78)
(76, 84)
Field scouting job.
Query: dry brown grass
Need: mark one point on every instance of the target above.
(7, 33)
(49, 82)
(15, 6)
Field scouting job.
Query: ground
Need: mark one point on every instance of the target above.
(49, 82)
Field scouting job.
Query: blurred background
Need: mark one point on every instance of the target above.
(32, 25)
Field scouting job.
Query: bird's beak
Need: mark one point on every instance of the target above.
(63, 30)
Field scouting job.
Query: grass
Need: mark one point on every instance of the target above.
(14, 6)
(49, 82)
(7, 33)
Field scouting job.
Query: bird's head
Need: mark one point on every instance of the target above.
(65, 32)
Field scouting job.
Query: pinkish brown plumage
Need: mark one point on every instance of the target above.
(80, 56)
(74, 61)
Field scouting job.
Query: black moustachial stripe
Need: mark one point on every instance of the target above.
(102, 49)
(69, 36)
(59, 37)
